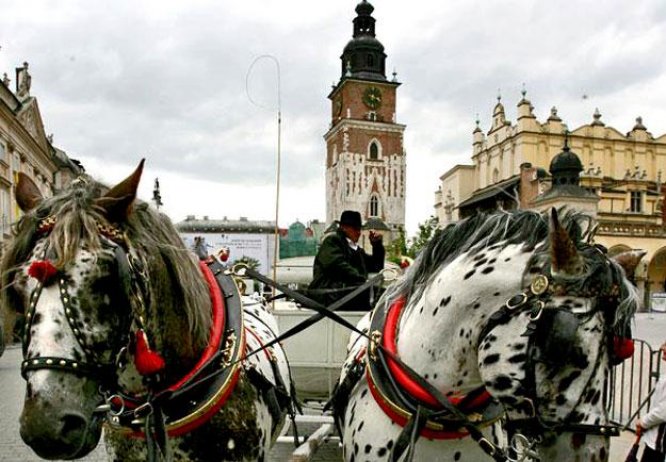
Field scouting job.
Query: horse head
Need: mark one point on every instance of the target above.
(79, 271)
(548, 360)
(68, 283)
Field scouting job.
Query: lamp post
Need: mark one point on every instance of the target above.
(277, 169)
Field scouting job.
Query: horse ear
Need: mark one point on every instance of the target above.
(563, 253)
(629, 261)
(117, 202)
(28, 195)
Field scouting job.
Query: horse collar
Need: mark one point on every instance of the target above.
(196, 397)
(400, 397)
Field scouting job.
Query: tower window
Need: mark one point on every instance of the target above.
(370, 60)
(374, 151)
(374, 206)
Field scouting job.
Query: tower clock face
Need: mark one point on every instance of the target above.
(372, 97)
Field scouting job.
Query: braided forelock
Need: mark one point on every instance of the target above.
(75, 226)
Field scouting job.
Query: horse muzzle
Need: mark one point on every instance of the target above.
(54, 434)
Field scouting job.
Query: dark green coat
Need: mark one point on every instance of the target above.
(339, 266)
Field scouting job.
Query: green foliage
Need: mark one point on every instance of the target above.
(425, 233)
(251, 263)
(402, 247)
(397, 248)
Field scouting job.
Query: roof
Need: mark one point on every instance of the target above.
(501, 188)
(243, 225)
(566, 190)
(376, 224)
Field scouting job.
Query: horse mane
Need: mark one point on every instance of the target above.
(503, 228)
(177, 292)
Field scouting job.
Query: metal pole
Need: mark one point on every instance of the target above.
(277, 190)
(277, 168)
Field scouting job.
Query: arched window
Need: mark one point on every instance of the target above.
(374, 206)
(374, 151)
(495, 176)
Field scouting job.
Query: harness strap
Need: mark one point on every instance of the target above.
(410, 434)
(156, 437)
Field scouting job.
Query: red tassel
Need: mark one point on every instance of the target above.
(147, 362)
(223, 254)
(43, 271)
(623, 348)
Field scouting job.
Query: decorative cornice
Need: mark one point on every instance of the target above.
(386, 127)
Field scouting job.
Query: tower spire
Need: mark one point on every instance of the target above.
(364, 52)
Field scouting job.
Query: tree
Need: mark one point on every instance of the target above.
(425, 233)
(397, 249)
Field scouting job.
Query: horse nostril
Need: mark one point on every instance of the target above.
(73, 426)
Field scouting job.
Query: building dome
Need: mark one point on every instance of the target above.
(363, 43)
(363, 57)
(565, 167)
(364, 8)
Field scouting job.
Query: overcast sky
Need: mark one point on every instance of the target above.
(166, 80)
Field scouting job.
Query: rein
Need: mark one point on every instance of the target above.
(422, 413)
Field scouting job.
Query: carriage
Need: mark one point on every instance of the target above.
(496, 343)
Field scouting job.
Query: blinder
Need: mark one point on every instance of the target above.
(555, 336)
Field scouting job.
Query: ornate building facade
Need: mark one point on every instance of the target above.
(365, 156)
(622, 172)
(25, 147)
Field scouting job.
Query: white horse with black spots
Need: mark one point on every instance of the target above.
(514, 310)
(124, 325)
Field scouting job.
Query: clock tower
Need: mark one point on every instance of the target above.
(365, 157)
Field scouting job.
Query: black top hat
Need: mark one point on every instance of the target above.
(351, 218)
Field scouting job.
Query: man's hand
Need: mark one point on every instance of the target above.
(374, 237)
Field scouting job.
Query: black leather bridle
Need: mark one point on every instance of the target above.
(133, 292)
(533, 300)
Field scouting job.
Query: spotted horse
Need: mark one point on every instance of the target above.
(124, 326)
(495, 345)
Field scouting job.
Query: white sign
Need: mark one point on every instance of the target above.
(256, 246)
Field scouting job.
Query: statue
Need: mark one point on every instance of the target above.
(24, 81)
(5, 80)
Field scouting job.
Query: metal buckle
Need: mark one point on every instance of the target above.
(535, 316)
(521, 302)
(375, 338)
(228, 349)
(109, 401)
(144, 410)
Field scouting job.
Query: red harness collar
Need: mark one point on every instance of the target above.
(400, 415)
(216, 329)
(203, 412)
